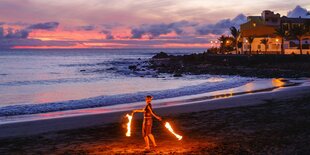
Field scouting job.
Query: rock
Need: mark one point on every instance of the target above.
(112, 68)
(177, 75)
(160, 55)
(132, 67)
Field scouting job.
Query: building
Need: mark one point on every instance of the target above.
(264, 27)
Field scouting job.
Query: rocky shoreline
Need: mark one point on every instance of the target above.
(262, 66)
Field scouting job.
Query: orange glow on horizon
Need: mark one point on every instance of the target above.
(94, 39)
(177, 45)
(76, 46)
(60, 35)
(106, 45)
(49, 47)
(121, 33)
(171, 34)
(113, 45)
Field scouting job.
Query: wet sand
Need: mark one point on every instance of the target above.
(252, 93)
(266, 123)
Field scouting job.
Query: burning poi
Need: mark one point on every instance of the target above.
(147, 123)
(168, 126)
(128, 133)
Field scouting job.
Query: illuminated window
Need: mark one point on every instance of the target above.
(254, 24)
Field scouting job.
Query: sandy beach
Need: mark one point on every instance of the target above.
(99, 77)
(273, 122)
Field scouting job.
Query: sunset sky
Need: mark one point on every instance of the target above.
(129, 23)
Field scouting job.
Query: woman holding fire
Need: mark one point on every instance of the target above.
(147, 122)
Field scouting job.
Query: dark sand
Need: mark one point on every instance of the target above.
(275, 127)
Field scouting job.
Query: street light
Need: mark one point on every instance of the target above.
(277, 43)
(246, 43)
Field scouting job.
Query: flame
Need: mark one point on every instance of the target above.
(128, 133)
(168, 126)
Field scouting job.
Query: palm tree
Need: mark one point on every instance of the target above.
(299, 32)
(280, 32)
(250, 40)
(235, 33)
(222, 40)
(265, 42)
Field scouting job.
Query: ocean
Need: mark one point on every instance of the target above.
(40, 81)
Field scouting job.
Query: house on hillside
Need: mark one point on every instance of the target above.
(259, 28)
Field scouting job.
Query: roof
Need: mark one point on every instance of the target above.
(259, 31)
(285, 19)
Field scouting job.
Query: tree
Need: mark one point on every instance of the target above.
(265, 42)
(226, 44)
(280, 32)
(250, 40)
(222, 40)
(235, 33)
(299, 32)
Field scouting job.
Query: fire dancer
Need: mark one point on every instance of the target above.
(148, 121)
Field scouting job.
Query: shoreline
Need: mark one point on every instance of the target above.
(255, 86)
(277, 123)
(74, 122)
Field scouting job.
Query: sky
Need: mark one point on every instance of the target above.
(129, 23)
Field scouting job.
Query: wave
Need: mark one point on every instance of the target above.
(119, 67)
(49, 82)
(123, 98)
(116, 62)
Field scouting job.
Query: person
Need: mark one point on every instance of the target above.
(148, 122)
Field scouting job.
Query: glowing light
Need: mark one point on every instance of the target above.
(128, 133)
(168, 126)
(179, 45)
(278, 82)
